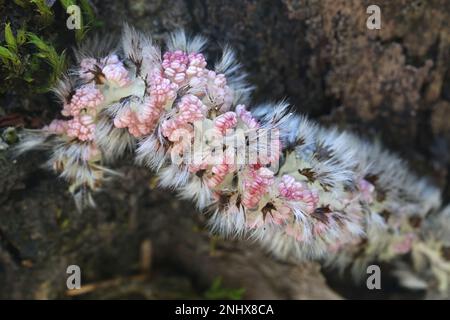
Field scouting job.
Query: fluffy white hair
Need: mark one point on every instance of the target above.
(330, 160)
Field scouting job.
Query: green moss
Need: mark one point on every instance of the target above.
(217, 291)
(9, 135)
(34, 41)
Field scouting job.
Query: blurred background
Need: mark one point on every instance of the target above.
(390, 85)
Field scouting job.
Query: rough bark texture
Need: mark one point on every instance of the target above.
(391, 84)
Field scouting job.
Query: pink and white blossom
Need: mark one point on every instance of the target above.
(81, 127)
(293, 190)
(256, 184)
(86, 97)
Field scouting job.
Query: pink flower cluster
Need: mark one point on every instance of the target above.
(197, 65)
(175, 65)
(109, 67)
(82, 128)
(216, 90)
(178, 70)
(246, 117)
(142, 119)
(183, 68)
(126, 118)
(87, 98)
(88, 67)
(115, 71)
(56, 127)
(256, 185)
(276, 209)
(226, 121)
(291, 189)
(199, 91)
(82, 107)
(190, 69)
(190, 109)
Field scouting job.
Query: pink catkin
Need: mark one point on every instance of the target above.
(218, 91)
(225, 121)
(114, 70)
(87, 68)
(197, 65)
(123, 119)
(128, 119)
(256, 185)
(82, 128)
(298, 191)
(161, 90)
(175, 65)
(213, 86)
(190, 110)
(205, 89)
(142, 121)
(116, 73)
(111, 67)
(168, 127)
(246, 117)
(182, 68)
(56, 126)
(183, 133)
(85, 97)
